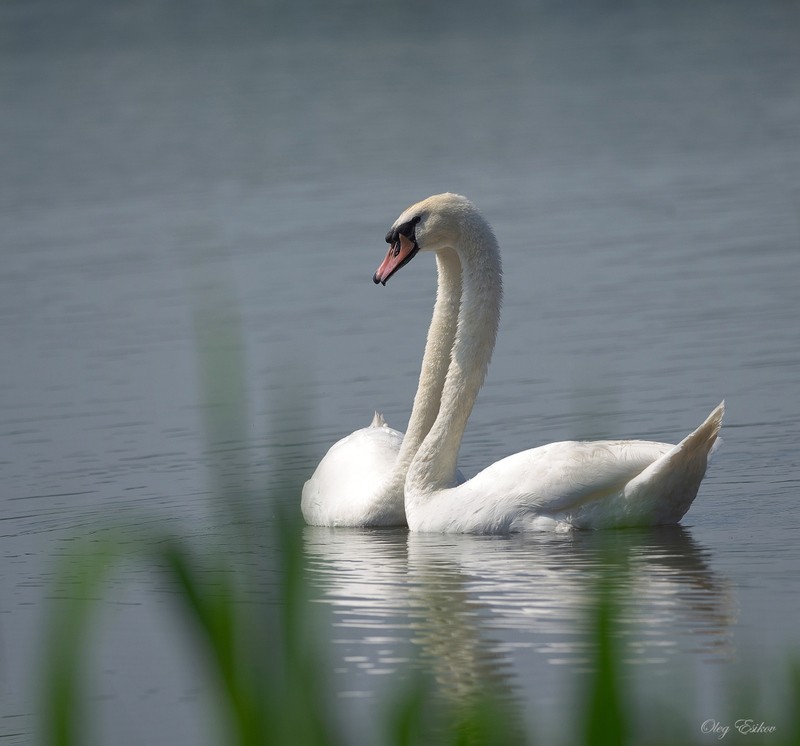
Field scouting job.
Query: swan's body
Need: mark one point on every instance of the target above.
(558, 486)
(573, 484)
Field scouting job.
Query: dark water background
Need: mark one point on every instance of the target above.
(640, 163)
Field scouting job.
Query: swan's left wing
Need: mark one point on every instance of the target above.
(561, 477)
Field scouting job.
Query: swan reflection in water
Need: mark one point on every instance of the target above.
(477, 610)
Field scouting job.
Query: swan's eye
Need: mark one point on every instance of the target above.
(407, 229)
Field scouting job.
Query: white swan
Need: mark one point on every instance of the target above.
(360, 480)
(558, 486)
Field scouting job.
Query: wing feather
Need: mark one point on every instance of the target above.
(563, 476)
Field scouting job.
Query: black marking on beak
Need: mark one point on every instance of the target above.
(407, 229)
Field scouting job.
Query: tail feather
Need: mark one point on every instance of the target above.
(668, 486)
(378, 420)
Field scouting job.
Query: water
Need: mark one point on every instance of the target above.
(640, 167)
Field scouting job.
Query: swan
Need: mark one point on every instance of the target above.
(560, 486)
(360, 480)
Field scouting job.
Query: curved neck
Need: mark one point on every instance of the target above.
(434, 465)
(435, 361)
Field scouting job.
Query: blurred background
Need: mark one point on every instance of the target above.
(172, 168)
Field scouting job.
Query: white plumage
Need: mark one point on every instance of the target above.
(378, 477)
(348, 485)
(560, 486)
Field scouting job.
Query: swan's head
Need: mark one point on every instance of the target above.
(434, 224)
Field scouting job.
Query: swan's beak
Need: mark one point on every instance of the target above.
(400, 253)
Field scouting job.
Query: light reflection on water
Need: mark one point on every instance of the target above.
(476, 609)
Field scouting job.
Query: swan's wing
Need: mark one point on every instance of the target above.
(542, 483)
(546, 483)
(344, 489)
(587, 484)
(562, 476)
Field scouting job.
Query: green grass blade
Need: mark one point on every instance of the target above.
(81, 576)
(606, 721)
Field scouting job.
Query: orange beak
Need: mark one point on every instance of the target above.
(399, 254)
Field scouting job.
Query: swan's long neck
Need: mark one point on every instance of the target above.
(436, 359)
(434, 465)
(435, 362)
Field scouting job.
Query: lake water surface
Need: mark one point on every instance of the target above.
(175, 182)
